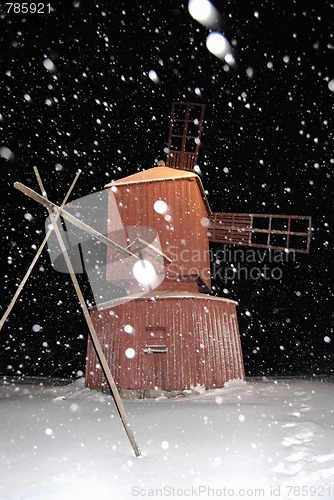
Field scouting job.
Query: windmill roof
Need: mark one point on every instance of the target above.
(152, 175)
(160, 174)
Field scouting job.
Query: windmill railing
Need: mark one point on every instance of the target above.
(276, 232)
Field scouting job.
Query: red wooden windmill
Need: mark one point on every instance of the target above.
(178, 335)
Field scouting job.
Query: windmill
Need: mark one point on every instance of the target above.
(181, 335)
(174, 335)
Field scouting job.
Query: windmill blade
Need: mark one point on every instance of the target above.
(73, 220)
(185, 130)
(276, 232)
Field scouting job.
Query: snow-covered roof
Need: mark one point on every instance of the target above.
(161, 173)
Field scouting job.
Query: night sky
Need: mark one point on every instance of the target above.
(76, 94)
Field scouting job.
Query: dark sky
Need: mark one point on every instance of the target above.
(267, 148)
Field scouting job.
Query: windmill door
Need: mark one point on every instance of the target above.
(155, 351)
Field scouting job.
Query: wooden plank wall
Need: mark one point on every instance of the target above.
(202, 341)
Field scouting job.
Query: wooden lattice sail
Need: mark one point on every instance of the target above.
(185, 131)
(276, 232)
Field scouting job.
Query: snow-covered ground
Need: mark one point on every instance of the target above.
(258, 439)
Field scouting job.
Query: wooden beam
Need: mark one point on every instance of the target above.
(38, 253)
(53, 208)
(93, 334)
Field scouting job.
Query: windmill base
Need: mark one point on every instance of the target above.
(167, 341)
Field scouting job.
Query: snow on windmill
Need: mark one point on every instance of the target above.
(178, 336)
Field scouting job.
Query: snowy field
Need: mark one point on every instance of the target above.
(258, 439)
